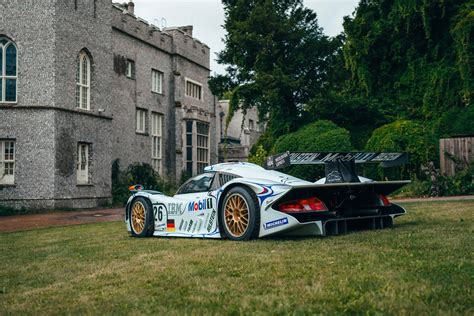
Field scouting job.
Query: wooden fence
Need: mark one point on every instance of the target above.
(455, 154)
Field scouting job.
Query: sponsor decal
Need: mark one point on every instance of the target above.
(160, 227)
(170, 225)
(194, 227)
(309, 158)
(276, 223)
(190, 225)
(210, 224)
(199, 224)
(176, 209)
(182, 224)
(334, 176)
(200, 205)
(161, 216)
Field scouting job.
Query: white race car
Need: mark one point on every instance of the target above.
(242, 201)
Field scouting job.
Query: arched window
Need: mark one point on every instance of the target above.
(8, 70)
(83, 81)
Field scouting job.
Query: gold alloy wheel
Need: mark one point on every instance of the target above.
(138, 217)
(236, 215)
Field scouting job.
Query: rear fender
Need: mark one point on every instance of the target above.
(272, 221)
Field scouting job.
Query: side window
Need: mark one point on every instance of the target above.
(83, 81)
(201, 183)
(83, 151)
(8, 71)
(130, 70)
(7, 161)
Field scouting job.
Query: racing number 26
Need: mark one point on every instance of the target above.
(158, 210)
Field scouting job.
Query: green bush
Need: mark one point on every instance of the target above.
(404, 136)
(416, 188)
(318, 136)
(259, 157)
(8, 211)
(460, 184)
(137, 173)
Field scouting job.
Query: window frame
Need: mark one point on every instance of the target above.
(3, 75)
(4, 178)
(80, 86)
(189, 151)
(130, 69)
(83, 176)
(195, 83)
(157, 135)
(193, 150)
(201, 164)
(251, 124)
(161, 76)
(143, 120)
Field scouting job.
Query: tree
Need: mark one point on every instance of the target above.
(402, 60)
(413, 58)
(276, 57)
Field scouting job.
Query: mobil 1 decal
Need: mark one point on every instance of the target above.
(202, 205)
(161, 217)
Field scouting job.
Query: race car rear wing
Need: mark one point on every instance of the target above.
(340, 166)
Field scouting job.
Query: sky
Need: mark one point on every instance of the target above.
(207, 18)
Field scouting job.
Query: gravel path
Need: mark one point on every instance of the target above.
(34, 221)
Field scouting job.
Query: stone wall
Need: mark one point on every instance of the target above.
(71, 129)
(32, 130)
(30, 24)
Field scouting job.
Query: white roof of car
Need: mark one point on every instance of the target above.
(232, 166)
(252, 171)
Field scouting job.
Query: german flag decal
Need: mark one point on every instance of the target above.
(170, 225)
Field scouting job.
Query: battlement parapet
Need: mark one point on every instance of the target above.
(173, 40)
(128, 23)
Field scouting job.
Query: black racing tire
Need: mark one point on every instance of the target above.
(141, 218)
(239, 214)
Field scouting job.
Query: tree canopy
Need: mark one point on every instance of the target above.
(413, 57)
(276, 58)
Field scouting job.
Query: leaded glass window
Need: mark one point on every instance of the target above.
(8, 71)
(83, 81)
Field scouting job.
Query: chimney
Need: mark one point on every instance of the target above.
(131, 7)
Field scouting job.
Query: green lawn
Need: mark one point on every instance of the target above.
(423, 266)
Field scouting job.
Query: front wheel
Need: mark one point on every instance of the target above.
(240, 214)
(141, 218)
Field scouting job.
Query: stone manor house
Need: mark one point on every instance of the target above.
(86, 82)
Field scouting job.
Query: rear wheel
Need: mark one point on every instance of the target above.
(141, 218)
(240, 214)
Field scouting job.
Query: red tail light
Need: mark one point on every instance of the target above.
(303, 205)
(384, 200)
